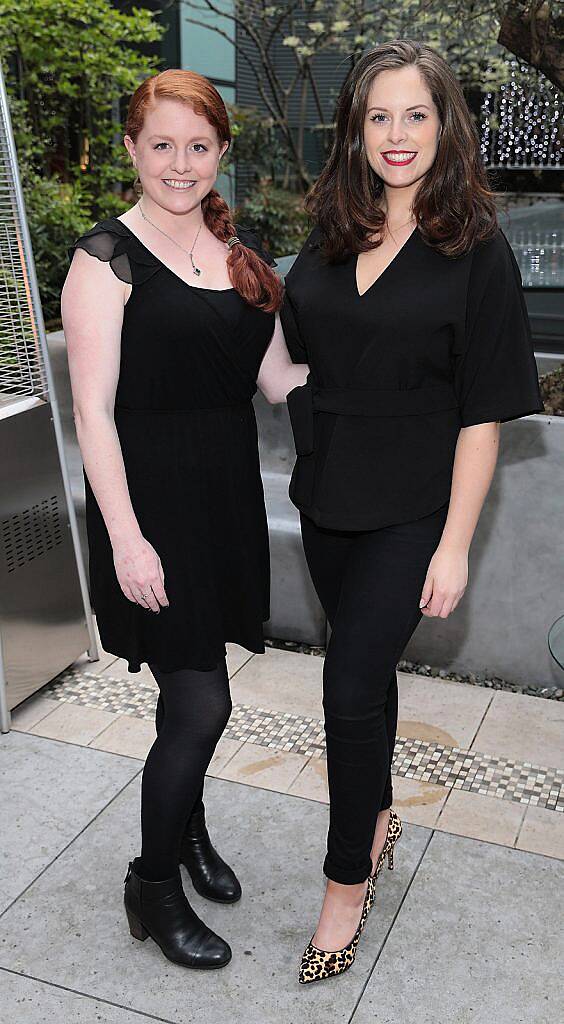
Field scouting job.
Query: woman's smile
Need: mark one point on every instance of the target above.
(176, 183)
(399, 157)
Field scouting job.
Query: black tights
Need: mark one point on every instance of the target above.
(369, 584)
(192, 711)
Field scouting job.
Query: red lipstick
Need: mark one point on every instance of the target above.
(399, 157)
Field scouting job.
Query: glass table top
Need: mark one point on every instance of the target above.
(556, 641)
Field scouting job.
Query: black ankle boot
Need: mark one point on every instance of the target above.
(211, 876)
(161, 910)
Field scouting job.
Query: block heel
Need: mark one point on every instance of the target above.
(135, 927)
(160, 911)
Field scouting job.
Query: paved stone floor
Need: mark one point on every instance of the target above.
(466, 929)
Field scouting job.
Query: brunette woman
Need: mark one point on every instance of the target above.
(406, 302)
(169, 313)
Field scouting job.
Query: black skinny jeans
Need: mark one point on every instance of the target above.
(369, 584)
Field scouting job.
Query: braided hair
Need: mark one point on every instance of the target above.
(249, 274)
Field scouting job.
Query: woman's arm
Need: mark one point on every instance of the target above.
(278, 374)
(474, 464)
(92, 304)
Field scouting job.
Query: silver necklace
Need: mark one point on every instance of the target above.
(189, 252)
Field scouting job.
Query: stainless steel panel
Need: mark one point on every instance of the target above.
(41, 627)
(42, 619)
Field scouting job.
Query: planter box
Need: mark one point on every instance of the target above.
(516, 567)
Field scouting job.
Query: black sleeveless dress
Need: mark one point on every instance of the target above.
(185, 420)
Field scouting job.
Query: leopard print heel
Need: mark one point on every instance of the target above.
(392, 835)
(321, 963)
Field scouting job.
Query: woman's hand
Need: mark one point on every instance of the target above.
(445, 582)
(278, 375)
(140, 573)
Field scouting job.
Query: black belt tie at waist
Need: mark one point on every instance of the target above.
(304, 401)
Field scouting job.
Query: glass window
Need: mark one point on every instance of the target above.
(227, 92)
(202, 49)
(536, 234)
(225, 183)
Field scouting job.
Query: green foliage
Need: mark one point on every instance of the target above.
(67, 66)
(256, 143)
(465, 34)
(277, 216)
(57, 213)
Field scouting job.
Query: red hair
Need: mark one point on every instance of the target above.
(256, 283)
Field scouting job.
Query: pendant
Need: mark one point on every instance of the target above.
(197, 271)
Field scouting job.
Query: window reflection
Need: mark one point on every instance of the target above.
(536, 235)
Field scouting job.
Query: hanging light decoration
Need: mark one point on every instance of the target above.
(521, 129)
(521, 124)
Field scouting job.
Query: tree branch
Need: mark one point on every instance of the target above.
(533, 32)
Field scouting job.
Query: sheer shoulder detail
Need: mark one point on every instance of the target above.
(113, 243)
(249, 239)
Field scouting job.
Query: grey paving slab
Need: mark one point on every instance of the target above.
(49, 792)
(479, 938)
(25, 1001)
(70, 928)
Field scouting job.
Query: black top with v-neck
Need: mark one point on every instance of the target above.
(186, 425)
(433, 345)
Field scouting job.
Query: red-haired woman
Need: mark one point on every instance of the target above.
(169, 314)
(406, 302)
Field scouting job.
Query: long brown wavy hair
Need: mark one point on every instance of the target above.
(255, 281)
(453, 208)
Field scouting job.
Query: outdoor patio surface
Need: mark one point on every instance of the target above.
(466, 929)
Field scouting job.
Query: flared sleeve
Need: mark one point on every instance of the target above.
(495, 373)
(113, 243)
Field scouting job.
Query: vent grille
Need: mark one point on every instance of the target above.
(29, 534)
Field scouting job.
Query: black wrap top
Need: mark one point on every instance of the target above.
(435, 344)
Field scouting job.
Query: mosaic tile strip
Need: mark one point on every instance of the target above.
(278, 730)
(479, 773)
(132, 696)
(451, 767)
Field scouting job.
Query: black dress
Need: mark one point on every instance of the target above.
(185, 420)
(435, 344)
